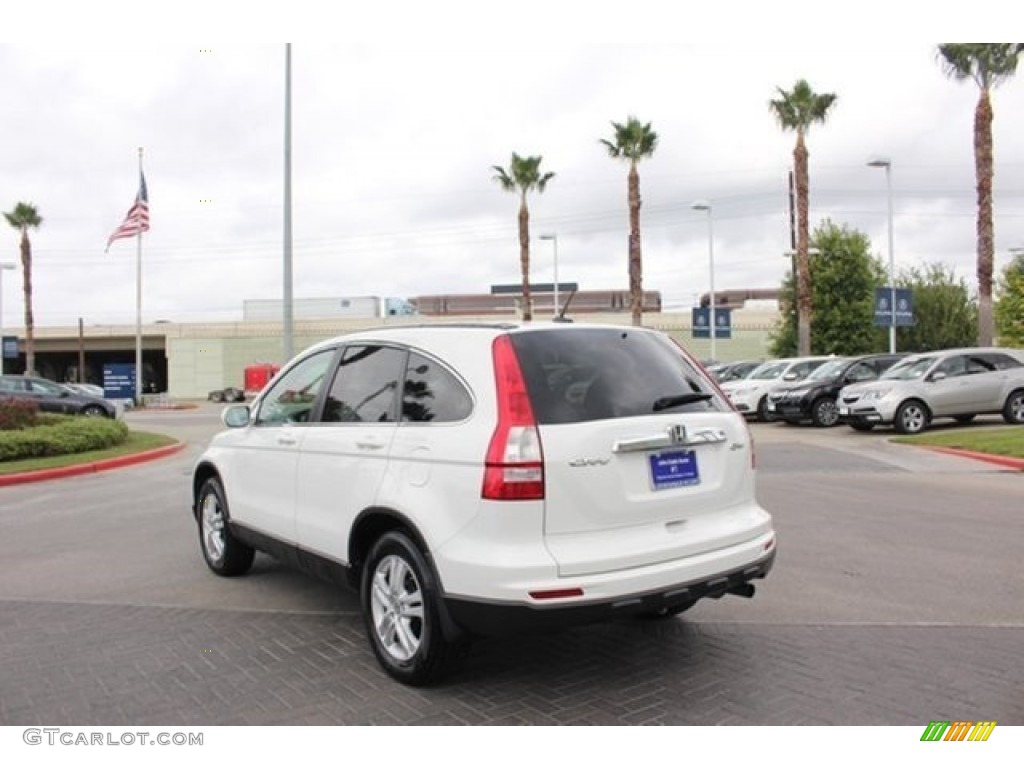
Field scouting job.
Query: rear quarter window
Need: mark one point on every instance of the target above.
(575, 375)
(432, 394)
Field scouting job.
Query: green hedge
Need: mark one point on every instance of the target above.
(69, 434)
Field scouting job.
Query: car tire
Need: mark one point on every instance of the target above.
(824, 412)
(762, 410)
(93, 411)
(1013, 410)
(861, 426)
(224, 554)
(965, 418)
(911, 418)
(401, 608)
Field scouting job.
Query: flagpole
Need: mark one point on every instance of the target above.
(138, 308)
(289, 343)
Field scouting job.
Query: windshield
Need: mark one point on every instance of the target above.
(768, 370)
(912, 368)
(829, 370)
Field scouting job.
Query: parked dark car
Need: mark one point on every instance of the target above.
(53, 397)
(814, 398)
(732, 371)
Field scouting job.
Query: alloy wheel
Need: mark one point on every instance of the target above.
(396, 604)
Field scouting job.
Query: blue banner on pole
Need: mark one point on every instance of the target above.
(10, 347)
(702, 328)
(119, 381)
(904, 299)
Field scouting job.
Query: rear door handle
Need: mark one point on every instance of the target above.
(286, 441)
(367, 445)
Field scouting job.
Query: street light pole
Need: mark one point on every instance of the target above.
(884, 162)
(704, 205)
(554, 239)
(3, 265)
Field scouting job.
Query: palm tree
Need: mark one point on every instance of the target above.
(633, 141)
(988, 65)
(23, 218)
(523, 176)
(796, 110)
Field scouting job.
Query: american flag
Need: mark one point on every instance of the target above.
(137, 220)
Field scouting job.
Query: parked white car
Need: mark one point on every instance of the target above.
(477, 479)
(749, 395)
(956, 383)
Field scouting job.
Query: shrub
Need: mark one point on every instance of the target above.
(18, 414)
(70, 434)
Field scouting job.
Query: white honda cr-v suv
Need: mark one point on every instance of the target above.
(479, 479)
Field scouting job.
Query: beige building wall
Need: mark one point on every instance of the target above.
(202, 358)
(205, 357)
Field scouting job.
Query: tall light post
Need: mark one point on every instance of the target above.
(704, 205)
(884, 162)
(554, 239)
(3, 265)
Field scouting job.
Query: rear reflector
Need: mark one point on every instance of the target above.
(553, 594)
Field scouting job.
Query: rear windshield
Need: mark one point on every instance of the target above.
(584, 374)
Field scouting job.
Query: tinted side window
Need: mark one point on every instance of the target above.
(980, 364)
(882, 364)
(862, 371)
(587, 374)
(954, 366)
(800, 370)
(365, 386)
(12, 385)
(292, 398)
(432, 393)
(999, 361)
(46, 388)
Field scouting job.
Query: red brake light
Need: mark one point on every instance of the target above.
(514, 466)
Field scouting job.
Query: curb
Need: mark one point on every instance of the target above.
(90, 467)
(1003, 461)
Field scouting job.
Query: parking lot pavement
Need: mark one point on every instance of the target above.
(895, 600)
(121, 665)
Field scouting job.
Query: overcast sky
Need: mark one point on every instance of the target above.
(394, 137)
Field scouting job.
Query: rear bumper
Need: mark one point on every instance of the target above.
(499, 618)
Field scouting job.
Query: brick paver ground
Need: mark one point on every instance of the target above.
(84, 664)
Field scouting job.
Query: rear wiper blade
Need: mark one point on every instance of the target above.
(673, 400)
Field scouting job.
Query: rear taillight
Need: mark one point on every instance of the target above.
(514, 466)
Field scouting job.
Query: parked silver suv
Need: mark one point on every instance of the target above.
(956, 383)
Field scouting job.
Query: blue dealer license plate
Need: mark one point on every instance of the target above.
(674, 469)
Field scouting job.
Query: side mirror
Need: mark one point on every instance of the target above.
(791, 376)
(235, 416)
(937, 376)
